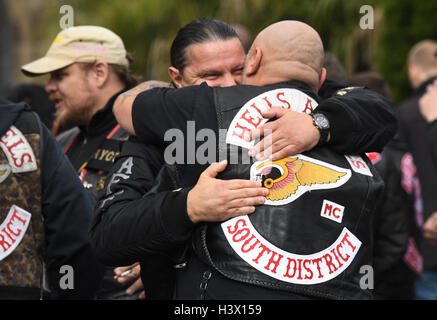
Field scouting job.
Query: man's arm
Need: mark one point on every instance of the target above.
(67, 210)
(361, 120)
(140, 215)
(123, 104)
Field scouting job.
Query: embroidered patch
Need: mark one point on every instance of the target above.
(250, 115)
(374, 157)
(18, 151)
(288, 178)
(359, 165)
(4, 172)
(274, 262)
(332, 211)
(344, 91)
(12, 230)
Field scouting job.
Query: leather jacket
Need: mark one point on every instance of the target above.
(314, 233)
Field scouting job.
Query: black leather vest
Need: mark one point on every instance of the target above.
(93, 172)
(314, 234)
(21, 219)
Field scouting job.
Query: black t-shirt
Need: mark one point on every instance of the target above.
(360, 119)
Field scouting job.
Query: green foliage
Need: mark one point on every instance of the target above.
(405, 24)
(149, 26)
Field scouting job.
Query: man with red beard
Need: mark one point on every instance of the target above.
(89, 68)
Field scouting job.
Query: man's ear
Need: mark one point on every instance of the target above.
(322, 77)
(254, 62)
(101, 73)
(415, 75)
(175, 76)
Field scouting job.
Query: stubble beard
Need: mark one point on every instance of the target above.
(69, 115)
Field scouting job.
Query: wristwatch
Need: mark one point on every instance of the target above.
(322, 124)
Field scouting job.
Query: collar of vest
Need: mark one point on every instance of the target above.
(237, 96)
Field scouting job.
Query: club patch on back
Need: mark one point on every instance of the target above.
(289, 178)
(18, 151)
(250, 115)
(274, 262)
(12, 230)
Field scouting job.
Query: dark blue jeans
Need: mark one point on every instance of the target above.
(426, 287)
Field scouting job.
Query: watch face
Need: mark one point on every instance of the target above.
(321, 121)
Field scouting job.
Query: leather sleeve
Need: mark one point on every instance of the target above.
(67, 210)
(361, 120)
(138, 215)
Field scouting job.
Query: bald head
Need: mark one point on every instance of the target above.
(422, 62)
(289, 50)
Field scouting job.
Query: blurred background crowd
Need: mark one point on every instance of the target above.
(148, 28)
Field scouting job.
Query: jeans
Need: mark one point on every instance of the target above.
(426, 287)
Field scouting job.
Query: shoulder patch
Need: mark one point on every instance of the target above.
(359, 165)
(344, 91)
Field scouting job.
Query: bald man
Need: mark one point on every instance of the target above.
(413, 129)
(299, 241)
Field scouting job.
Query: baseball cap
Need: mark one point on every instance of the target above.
(79, 44)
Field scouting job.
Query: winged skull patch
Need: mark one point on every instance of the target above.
(291, 177)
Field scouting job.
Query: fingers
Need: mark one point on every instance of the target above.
(246, 202)
(236, 184)
(283, 152)
(238, 189)
(142, 295)
(430, 229)
(262, 145)
(243, 201)
(264, 130)
(275, 112)
(137, 285)
(241, 194)
(127, 273)
(215, 168)
(238, 207)
(276, 150)
(216, 200)
(431, 237)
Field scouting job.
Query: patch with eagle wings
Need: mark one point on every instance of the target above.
(289, 178)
